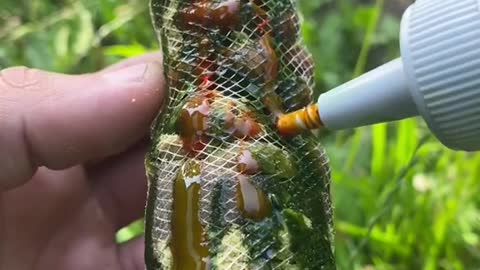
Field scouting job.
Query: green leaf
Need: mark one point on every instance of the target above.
(61, 41)
(125, 50)
(86, 33)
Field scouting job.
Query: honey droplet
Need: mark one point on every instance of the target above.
(271, 65)
(252, 202)
(189, 249)
(246, 127)
(193, 117)
(241, 124)
(192, 123)
(226, 14)
(206, 14)
(246, 163)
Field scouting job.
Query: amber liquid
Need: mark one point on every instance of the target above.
(188, 248)
(252, 202)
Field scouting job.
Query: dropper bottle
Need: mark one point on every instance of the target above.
(436, 77)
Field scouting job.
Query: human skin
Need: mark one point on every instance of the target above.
(72, 164)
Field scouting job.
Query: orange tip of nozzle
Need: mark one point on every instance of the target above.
(297, 122)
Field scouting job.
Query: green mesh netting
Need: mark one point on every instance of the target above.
(226, 191)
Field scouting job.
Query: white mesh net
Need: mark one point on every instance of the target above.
(226, 190)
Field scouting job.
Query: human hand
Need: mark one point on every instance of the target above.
(71, 164)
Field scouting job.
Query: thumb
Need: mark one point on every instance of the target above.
(57, 120)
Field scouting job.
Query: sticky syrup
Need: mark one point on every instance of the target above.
(246, 163)
(205, 14)
(241, 124)
(192, 124)
(252, 202)
(189, 249)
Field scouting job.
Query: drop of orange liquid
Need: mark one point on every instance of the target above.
(252, 202)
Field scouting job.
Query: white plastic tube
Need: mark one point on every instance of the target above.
(381, 95)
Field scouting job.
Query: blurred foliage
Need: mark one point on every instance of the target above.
(402, 201)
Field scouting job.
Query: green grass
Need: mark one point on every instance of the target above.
(402, 201)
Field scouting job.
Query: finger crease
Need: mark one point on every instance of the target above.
(109, 201)
(27, 145)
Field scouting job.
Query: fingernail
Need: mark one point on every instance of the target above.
(135, 74)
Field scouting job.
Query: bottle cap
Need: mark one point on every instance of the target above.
(440, 47)
(438, 77)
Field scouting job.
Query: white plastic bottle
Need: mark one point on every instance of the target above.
(436, 77)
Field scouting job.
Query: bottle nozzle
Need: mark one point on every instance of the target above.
(299, 121)
(379, 96)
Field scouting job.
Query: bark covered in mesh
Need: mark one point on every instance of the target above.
(233, 66)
